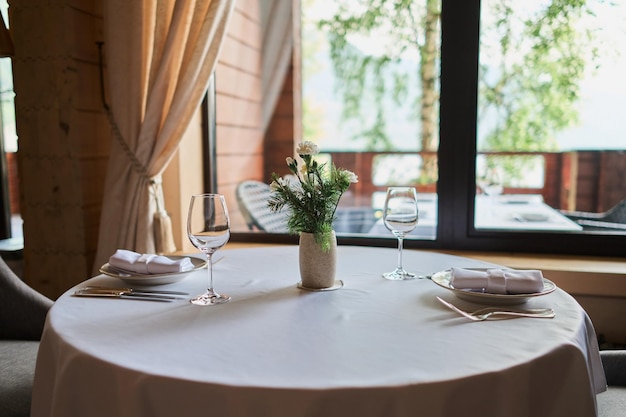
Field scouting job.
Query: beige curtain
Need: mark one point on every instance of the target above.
(277, 22)
(159, 57)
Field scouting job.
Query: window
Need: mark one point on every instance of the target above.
(549, 139)
(10, 219)
(466, 161)
(459, 115)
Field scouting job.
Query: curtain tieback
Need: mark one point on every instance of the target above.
(163, 236)
(162, 224)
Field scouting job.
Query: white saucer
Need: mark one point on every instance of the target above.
(338, 284)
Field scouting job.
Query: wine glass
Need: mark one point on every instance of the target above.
(400, 217)
(491, 185)
(208, 228)
(491, 182)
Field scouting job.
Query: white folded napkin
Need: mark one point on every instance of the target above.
(148, 263)
(498, 281)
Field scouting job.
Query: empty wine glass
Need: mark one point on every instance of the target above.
(208, 228)
(400, 217)
(491, 185)
(491, 182)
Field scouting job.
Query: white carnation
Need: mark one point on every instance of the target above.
(307, 148)
(352, 177)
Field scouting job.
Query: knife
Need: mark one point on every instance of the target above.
(126, 295)
(133, 290)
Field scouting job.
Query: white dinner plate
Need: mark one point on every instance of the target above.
(442, 279)
(152, 279)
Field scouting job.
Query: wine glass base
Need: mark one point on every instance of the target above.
(399, 275)
(208, 299)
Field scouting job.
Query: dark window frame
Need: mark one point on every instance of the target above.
(457, 151)
(209, 152)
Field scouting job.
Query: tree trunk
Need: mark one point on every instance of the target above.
(430, 95)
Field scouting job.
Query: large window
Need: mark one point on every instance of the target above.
(549, 137)
(501, 113)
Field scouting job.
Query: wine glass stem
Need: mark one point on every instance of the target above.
(400, 244)
(210, 272)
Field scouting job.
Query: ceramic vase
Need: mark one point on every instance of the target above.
(317, 266)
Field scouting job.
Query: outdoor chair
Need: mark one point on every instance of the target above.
(612, 403)
(612, 219)
(252, 198)
(354, 219)
(22, 316)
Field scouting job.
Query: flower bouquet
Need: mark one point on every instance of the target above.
(311, 194)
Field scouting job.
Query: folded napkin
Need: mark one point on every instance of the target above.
(498, 281)
(148, 263)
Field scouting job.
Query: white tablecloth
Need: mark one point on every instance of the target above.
(520, 212)
(373, 348)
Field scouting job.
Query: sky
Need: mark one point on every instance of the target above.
(604, 92)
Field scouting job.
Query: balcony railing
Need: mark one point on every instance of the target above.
(578, 180)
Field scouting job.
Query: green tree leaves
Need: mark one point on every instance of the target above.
(532, 63)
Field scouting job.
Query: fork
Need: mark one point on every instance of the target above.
(485, 313)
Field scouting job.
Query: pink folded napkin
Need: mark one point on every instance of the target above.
(148, 263)
(498, 281)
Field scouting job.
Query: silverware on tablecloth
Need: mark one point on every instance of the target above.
(133, 290)
(114, 293)
(500, 313)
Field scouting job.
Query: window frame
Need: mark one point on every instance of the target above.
(456, 188)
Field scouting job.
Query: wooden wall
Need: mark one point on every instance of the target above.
(244, 151)
(612, 184)
(279, 138)
(238, 105)
(600, 180)
(63, 137)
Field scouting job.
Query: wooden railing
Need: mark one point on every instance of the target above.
(581, 180)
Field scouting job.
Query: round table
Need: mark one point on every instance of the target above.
(372, 348)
